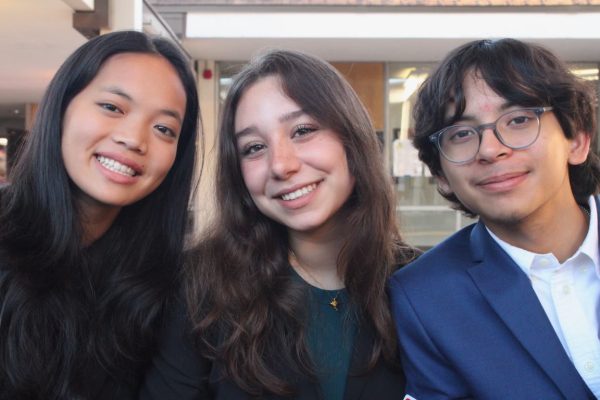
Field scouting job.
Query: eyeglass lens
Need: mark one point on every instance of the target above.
(516, 129)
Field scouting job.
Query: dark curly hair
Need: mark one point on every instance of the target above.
(523, 73)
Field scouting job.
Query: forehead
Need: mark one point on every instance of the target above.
(124, 61)
(476, 88)
(148, 70)
(146, 77)
(263, 100)
(270, 85)
(477, 98)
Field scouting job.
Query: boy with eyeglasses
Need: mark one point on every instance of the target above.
(507, 308)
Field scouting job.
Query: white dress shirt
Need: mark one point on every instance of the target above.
(570, 295)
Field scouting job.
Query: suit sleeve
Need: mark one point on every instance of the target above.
(177, 371)
(428, 374)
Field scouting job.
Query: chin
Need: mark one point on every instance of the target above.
(303, 227)
(504, 217)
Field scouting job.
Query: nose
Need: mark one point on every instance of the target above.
(284, 159)
(133, 136)
(491, 148)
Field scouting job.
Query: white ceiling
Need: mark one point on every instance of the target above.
(37, 35)
(386, 34)
(395, 50)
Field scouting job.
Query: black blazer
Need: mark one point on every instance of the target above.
(179, 373)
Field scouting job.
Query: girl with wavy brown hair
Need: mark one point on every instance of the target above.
(286, 294)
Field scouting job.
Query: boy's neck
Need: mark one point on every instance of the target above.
(560, 234)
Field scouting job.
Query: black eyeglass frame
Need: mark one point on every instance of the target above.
(538, 111)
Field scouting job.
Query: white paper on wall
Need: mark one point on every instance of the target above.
(405, 159)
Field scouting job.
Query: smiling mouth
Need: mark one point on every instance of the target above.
(115, 166)
(501, 179)
(299, 193)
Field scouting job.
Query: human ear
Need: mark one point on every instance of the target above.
(579, 147)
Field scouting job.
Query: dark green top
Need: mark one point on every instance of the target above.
(330, 336)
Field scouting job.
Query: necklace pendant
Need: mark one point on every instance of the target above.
(334, 303)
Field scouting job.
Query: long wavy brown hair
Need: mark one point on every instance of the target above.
(247, 311)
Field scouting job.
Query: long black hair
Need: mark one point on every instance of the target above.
(64, 306)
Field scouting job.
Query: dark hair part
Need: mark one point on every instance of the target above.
(240, 290)
(525, 74)
(64, 306)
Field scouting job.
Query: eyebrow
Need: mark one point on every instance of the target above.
(284, 118)
(503, 107)
(119, 92)
(291, 116)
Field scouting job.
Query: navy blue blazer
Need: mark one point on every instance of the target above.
(471, 326)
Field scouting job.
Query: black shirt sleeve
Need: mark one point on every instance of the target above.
(177, 372)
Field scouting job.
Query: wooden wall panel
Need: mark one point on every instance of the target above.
(368, 80)
(30, 113)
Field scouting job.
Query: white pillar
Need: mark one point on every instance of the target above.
(208, 91)
(125, 14)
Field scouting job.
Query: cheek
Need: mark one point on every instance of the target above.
(350, 180)
(80, 136)
(167, 161)
(253, 177)
(451, 178)
(173, 157)
(68, 148)
(443, 185)
(66, 133)
(78, 122)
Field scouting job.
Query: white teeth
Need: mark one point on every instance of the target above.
(299, 193)
(115, 166)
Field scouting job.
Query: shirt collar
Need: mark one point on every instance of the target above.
(589, 247)
(590, 244)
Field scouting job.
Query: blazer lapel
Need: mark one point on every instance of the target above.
(508, 290)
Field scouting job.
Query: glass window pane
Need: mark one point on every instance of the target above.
(585, 70)
(424, 215)
(427, 226)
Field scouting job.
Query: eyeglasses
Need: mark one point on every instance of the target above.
(516, 129)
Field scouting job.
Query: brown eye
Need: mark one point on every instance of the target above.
(110, 107)
(459, 135)
(303, 130)
(252, 149)
(166, 131)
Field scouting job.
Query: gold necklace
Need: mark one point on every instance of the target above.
(333, 302)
